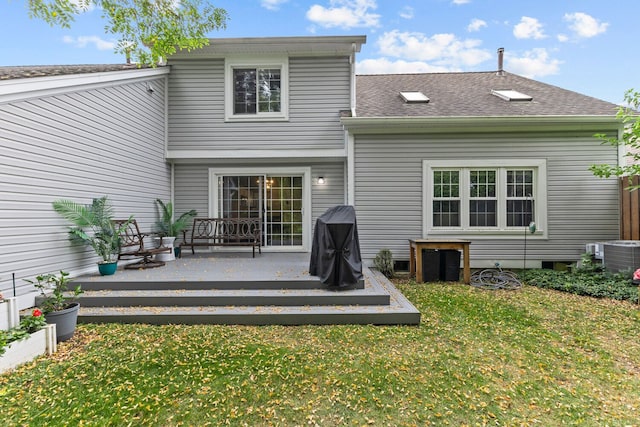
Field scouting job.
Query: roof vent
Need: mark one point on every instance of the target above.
(414, 97)
(511, 95)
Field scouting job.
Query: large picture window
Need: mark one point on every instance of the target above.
(478, 197)
(256, 92)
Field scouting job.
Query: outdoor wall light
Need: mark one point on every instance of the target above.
(150, 88)
(321, 180)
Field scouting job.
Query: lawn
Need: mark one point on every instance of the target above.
(526, 357)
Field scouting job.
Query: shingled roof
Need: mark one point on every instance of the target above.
(469, 95)
(21, 72)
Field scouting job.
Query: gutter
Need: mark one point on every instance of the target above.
(475, 124)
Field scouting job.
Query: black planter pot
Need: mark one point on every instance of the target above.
(65, 321)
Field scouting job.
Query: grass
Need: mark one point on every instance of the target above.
(527, 357)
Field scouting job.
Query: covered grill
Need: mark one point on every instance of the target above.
(335, 254)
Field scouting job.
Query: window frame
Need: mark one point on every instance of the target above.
(257, 63)
(501, 166)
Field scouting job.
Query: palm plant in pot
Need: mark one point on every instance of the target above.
(57, 302)
(169, 229)
(93, 225)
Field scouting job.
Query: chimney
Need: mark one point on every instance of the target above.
(500, 62)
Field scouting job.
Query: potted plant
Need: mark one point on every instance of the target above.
(169, 229)
(58, 303)
(29, 338)
(94, 226)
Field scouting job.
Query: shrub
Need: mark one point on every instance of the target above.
(589, 282)
(384, 262)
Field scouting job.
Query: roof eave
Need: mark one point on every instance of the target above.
(475, 124)
(291, 46)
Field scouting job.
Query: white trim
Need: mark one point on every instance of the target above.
(281, 62)
(34, 87)
(313, 46)
(166, 117)
(338, 153)
(266, 170)
(540, 196)
(475, 124)
(351, 173)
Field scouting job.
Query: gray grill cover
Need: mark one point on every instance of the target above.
(335, 254)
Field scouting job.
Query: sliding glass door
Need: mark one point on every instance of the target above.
(278, 199)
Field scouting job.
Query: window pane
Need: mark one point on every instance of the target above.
(269, 91)
(483, 183)
(519, 183)
(519, 212)
(446, 213)
(520, 204)
(482, 213)
(244, 91)
(446, 184)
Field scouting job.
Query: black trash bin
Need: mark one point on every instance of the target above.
(440, 265)
(450, 265)
(335, 253)
(430, 265)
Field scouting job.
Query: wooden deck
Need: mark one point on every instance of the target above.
(234, 288)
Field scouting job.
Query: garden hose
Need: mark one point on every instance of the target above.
(495, 278)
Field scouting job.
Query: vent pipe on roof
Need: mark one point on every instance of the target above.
(500, 62)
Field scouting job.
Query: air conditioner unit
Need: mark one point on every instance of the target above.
(620, 255)
(595, 249)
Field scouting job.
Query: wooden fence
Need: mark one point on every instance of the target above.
(629, 209)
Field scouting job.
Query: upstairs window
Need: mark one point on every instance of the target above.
(256, 92)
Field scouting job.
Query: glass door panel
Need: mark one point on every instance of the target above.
(240, 196)
(284, 210)
(277, 199)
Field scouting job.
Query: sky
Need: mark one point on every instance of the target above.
(588, 46)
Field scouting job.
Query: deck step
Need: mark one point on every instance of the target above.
(243, 297)
(253, 315)
(274, 289)
(91, 284)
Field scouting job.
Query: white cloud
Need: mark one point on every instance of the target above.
(84, 41)
(584, 25)
(476, 24)
(445, 50)
(461, 1)
(534, 63)
(385, 66)
(345, 14)
(407, 12)
(528, 28)
(272, 4)
(563, 38)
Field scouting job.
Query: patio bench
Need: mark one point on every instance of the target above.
(224, 232)
(132, 246)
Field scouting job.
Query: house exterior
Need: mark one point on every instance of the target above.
(74, 132)
(282, 128)
(486, 155)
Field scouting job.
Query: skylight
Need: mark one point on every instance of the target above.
(414, 97)
(511, 95)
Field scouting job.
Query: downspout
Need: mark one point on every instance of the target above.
(349, 140)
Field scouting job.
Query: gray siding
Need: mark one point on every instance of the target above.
(192, 186)
(318, 91)
(580, 207)
(79, 145)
